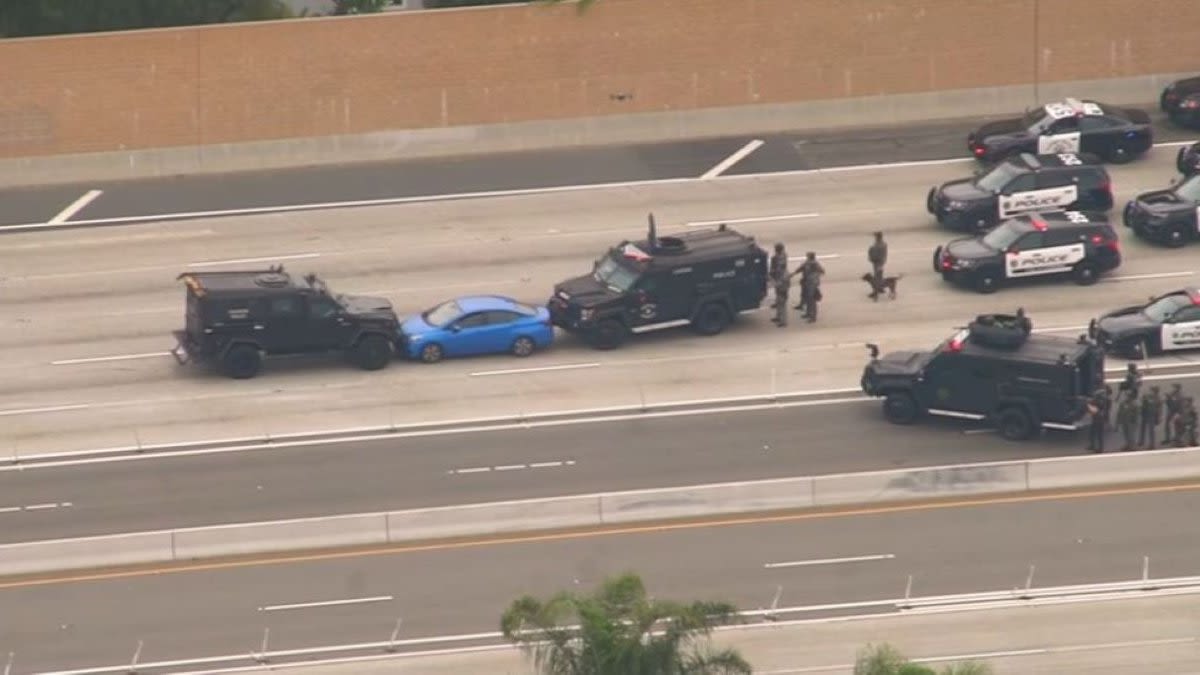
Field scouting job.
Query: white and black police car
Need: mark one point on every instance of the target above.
(1080, 244)
(1181, 101)
(1167, 323)
(1170, 217)
(1188, 160)
(1023, 183)
(1115, 134)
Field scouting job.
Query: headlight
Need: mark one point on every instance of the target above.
(586, 314)
(956, 205)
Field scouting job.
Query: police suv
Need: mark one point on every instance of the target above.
(1181, 101)
(702, 278)
(1167, 323)
(1022, 183)
(1071, 125)
(1081, 244)
(996, 371)
(1170, 217)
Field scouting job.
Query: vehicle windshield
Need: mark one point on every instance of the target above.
(1002, 237)
(1160, 310)
(1189, 190)
(614, 275)
(998, 177)
(1037, 120)
(442, 314)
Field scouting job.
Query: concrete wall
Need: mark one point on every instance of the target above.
(479, 66)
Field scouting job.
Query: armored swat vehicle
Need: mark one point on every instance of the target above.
(703, 278)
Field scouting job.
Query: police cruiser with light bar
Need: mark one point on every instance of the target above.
(1167, 323)
(1076, 243)
(1115, 134)
(1023, 183)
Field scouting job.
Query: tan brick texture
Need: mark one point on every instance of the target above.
(346, 75)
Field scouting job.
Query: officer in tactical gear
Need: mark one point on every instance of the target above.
(1127, 418)
(1188, 418)
(1108, 408)
(1132, 382)
(782, 285)
(1174, 405)
(810, 272)
(1151, 417)
(778, 270)
(1095, 407)
(877, 254)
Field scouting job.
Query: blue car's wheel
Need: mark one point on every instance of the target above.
(432, 353)
(523, 346)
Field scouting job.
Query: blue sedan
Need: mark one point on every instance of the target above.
(476, 324)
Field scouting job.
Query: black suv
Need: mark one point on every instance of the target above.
(1188, 160)
(1082, 244)
(1181, 101)
(1022, 184)
(994, 370)
(1070, 125)
(236, 317)
(703, 278)
(1170, 217)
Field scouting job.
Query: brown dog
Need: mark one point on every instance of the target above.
(888, 285)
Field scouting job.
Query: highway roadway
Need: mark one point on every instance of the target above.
(462, 588)
(88, 313)
(839, 436)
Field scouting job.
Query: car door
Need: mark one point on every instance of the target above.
(327, 328)
(501, 330)
(467, 335)
(1098, 133)
(1062, 136)
(1182, 329)
(283, 327)
(1018, 196)
(1034, 255)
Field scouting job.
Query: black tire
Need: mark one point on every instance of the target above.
(1176, 237)
(523, 346)
(986, 281)
(431, 353)
(899, 407)
(1084, 274)
(1015, 424)
(608, 334)
(1179, 163)
(373, 352)
(929, 205)
(937, 260)
(242, 362)
(1120, 154)
(711, 319)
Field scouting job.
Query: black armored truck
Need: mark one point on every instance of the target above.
(995, 370)
(702, 278)
(234, 318)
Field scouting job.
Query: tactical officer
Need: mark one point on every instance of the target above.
(1151, 414)
(1108, 408)
(1127, 418)
(1132, 382)
(1174, 405)
(1096, 432)
(782, 285)
(1188, 427)
(810, 273)
(1023, 321)
(877, 255)
(778, 270)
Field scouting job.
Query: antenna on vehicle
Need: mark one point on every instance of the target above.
(652, 237)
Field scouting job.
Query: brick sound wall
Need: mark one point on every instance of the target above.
(347, 75)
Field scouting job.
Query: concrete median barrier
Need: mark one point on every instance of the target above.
(284, 535)
(87, 552)
(1134, 467)
(494, 518)
(924, 483)
(624, 507)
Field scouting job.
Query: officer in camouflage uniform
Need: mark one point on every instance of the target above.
(1095, 407)
(877, 255)
(1151, 414)
(783, 285)
(1188, 426)
(778, 270)
(1127, 418)
(810, 272)
(1173, 405)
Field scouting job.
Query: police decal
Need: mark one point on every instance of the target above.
(1050, 260)
(648, 311)
(1037, 200)
(1181, 335)
(1058, 143)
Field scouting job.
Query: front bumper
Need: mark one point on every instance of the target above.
(186, 349)
(564, 316)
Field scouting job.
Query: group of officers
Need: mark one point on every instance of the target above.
(810, 272)
(1138, 415)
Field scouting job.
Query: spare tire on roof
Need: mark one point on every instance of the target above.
(1006, 331)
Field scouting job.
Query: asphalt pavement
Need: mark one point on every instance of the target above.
(461, 589)
(472, 175)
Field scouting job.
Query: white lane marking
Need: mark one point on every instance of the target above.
(1173, 144)
(1059, 329)
(755, 219)
(326, 603)
(513, 467)
(53, 408)
(36, 507)
(102, 359)
(1138, 277)
(830, 561)
(75, 207)
(729, 161)
(297, 256)
(541, 369)
(387, 201)
(439, 287)
(823, 256)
